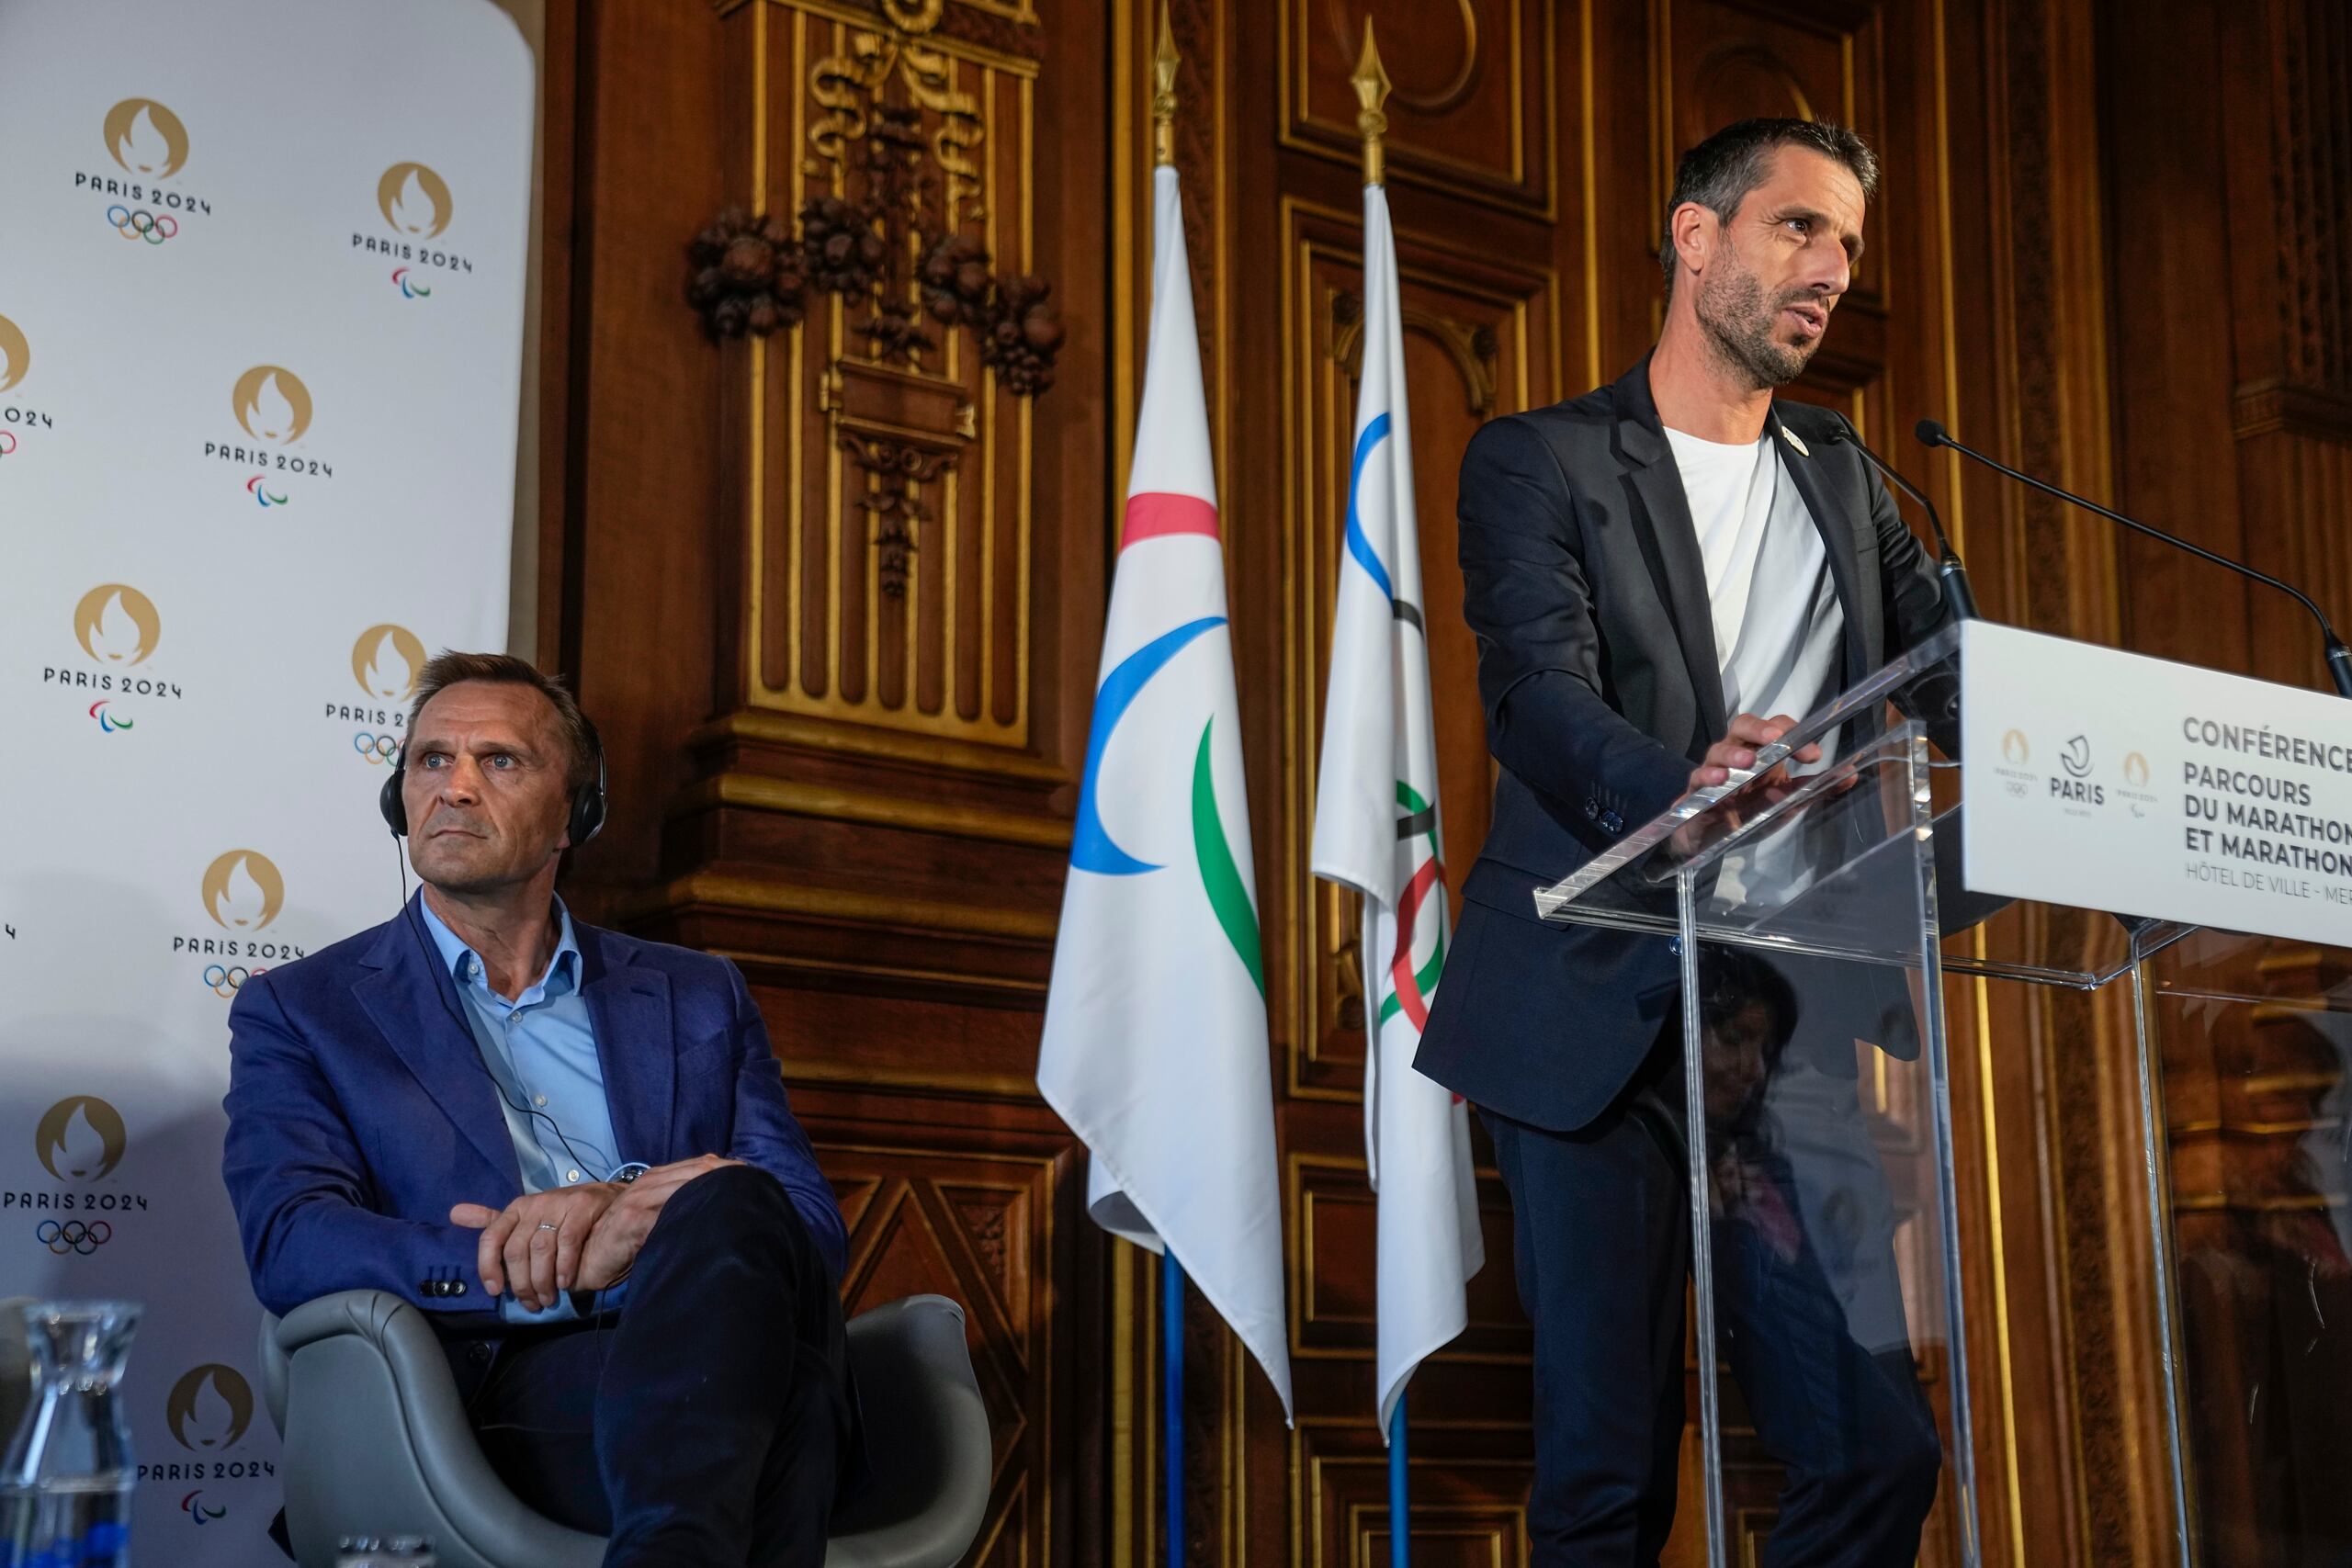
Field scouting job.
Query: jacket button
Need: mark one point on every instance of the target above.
(1590, 809)
(478, 1353)
(456, 1287)
(1610, 820)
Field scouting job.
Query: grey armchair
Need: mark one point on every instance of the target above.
(377, 1442)
(16, 1368)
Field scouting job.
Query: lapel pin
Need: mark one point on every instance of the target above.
(1790, 437)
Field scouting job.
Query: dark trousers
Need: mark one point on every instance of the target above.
(1601, 1223)
(708, 1421)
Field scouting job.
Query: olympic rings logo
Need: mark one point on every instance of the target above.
(228, 982)
(73, 1237)
(7, 443)
(377, 749)
(138, 223)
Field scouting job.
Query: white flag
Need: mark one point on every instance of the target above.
(1376, 831)
(1155, 1047)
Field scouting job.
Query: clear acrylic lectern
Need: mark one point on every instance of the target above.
(1822, 936)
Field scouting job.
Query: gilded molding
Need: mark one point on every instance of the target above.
(941, 753)
(836, 905)
(761, 792)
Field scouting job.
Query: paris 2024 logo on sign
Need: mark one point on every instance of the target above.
(243, 893)
(117, 629)
(17, 421)
(386, 660)
(417, 207)
(79, 1142)
(209, 1410)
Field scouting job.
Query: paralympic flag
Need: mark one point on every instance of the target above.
(1155, 1047)
(1377, 831)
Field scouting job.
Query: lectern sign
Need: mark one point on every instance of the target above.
(2110, 780)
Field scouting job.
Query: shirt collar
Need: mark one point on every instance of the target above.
(464, 965)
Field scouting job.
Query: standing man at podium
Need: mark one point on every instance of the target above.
(1660, 573)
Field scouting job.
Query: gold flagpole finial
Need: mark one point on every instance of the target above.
(1163, 95)
(1371, 83)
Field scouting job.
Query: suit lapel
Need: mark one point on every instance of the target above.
(1837, 526)
(1670, 541)
(629, 1008)
(415, 1006)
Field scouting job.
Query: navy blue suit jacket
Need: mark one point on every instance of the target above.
(1602, 689)
(359, 1111)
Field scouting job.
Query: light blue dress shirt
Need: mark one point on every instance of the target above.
(541, 1049)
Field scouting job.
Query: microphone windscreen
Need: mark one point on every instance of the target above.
(1930, 432)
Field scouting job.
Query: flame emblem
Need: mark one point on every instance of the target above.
(209, 1407)
(385, 661)
(414, 200)
(272, 404)
(116, 624)
(2014, 749)
(145, 137)
(16, 354)
(80, 1138)
(242, 890)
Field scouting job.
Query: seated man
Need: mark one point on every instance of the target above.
(569, 1148)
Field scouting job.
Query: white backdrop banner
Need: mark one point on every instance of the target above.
(2112, 781)
(261, 301)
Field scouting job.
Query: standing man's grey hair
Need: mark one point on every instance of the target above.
(1720, 172)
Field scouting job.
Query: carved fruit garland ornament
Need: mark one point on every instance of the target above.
(897, 141)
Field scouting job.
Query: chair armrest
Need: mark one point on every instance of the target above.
(928, 1491)
(377, 1440)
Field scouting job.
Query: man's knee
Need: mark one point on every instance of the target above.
(1894, 1475)
(731, 1197)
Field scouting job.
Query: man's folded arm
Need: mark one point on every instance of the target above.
(768, 1135)
(1525, 596)
(297, 1180)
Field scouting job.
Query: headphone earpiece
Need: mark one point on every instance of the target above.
(389, 800)
(588, 801)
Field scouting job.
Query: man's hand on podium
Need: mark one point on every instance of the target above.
(1730, 760)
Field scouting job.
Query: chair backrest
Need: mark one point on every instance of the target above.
(16, 1368)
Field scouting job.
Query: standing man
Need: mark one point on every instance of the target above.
(570, 1149)
(1660, 574)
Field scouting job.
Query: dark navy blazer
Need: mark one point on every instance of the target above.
(359, 1111)
(1602, 690)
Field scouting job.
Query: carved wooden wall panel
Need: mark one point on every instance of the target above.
(1474, 107)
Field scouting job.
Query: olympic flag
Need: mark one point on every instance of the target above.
(1377, 831)
(1155, 1047)
(261, 303)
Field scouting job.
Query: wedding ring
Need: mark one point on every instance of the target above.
(544, 1226)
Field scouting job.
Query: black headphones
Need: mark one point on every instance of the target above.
(587, 818)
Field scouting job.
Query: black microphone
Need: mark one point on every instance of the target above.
(2339, 658)
(1957, 593)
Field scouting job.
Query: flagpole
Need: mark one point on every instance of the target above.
(1171, 1398)
(1164, 63)
(1371, 83)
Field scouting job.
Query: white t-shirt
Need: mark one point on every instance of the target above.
(1778, 623)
